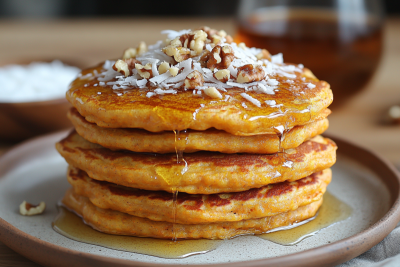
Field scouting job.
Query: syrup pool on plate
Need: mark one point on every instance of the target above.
(70, 225)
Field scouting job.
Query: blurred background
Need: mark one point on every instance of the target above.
(103, 8)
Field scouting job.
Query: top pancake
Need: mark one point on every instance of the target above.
(296, 97)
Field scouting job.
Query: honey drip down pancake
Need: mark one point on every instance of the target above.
(118, 223)
(138, 140)
(200, 172)
(196, 209)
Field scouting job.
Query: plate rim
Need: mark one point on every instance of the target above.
(47, 253)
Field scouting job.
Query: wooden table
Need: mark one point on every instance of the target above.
(85, 42)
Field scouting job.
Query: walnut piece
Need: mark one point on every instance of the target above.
(186, 45)
(28, 209)
(394, 114)
(219, 58)
(250, 73)
(264, 54)
(212, 92)
(144, 71)
(222, 75)
(174, 71)
(193, 80)
(122, 67)
(133, 52)
(215, 35)
(242, 45)
(125, 66)
(163, 68)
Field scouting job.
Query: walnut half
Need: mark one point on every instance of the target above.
(219, 58)
(28, 209)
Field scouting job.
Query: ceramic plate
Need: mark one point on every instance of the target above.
(34, 171)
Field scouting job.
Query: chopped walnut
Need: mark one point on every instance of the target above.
(186, 45)
(163, 68)
(264, 54)
(250, 73)
(222, 75)
(129, 53)
(394, 114)
(212, 92)
(125, 66)
(213, 35)
(219, 58)
(122, 67)
(28, 209)
(242, 45)
(174, 71)
(193, 80)
(179, 53)
(133, 52)
(144, 71)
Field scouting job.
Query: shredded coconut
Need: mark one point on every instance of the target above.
(310, 85)
(251, 99)
(37, 81)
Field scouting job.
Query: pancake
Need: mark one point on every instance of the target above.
(257, 96)
(197, 209)
(118, 223)
(200, 172)
(138, 140)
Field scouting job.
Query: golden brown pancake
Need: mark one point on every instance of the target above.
(138, 140)
(131, 108)
(255, 203)
(115, 222)
(200, 172)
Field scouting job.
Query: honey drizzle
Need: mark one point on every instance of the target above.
(72, 226)
(180, 145)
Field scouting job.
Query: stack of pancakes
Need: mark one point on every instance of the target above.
(154, 156)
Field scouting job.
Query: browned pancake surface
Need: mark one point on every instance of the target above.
(138, 140)
(200, 172)
(114, 222)
(131, 108)
(194, 209)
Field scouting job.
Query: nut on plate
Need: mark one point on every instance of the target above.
(28, 209)
(250, 73)
(394, 114)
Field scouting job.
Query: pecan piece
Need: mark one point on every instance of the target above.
(193, 80)
(250, 73)
(220, 57)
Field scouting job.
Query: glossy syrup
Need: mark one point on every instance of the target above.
(72, 226)
(332, 211)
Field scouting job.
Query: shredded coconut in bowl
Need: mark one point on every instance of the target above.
(37, 81)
